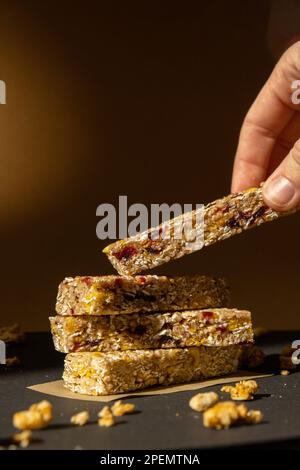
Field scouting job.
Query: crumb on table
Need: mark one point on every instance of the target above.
(106, 418)
(225, 414)
(242, 390)
(80, 419)
(202, 401)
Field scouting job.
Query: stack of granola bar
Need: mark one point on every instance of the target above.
(126, 333)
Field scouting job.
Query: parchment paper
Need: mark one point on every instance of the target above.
(56, 388)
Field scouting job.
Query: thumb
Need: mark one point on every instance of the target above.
(281, 191)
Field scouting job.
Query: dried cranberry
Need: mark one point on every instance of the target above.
(208, 315)
(87, 280)
(141, 279)
(118, 282)
(71, 311)
(126, 253)
(222, 328)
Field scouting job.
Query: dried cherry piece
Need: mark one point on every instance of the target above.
(141, 279)
(126, 253)
(87, 280)
(208, 315)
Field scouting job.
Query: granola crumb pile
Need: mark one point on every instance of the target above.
(80, 419)
(202, 401)
(106, 417)
(119, 408)
(22, 438)
(242, 390)
(38, 416)
(225, 414)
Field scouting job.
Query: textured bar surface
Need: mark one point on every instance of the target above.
(126, 371)
(214, 327)
(223, 218)
(109, 295)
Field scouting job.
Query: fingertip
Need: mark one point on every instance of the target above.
(280, 194)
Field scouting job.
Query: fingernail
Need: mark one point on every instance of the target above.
(279, 191)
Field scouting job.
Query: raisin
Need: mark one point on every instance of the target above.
(233, 223)
(126, 253)
(259, 213)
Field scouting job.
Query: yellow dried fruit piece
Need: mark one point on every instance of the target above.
(285, 372)
(202, 401)
(80, 419)
(225, 414)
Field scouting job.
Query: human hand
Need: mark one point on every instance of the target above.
(269, 142)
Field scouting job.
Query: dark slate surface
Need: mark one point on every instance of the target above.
(155, 425)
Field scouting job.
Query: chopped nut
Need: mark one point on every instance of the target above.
(285, 372)
(38, 416)
(202, 401)
(119, 408)
(106, 417)
(242, 390)
(12, 361)
(80, 419)
(228, 413)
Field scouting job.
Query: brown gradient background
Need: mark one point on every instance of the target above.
(141, 99)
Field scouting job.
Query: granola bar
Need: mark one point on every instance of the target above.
(214, 327)
(223, 218)
(108, 295)
(126, 371)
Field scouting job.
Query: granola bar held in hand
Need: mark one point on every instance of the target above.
(126, 371)
(110, 295)
(213, 327)
(223, 218)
